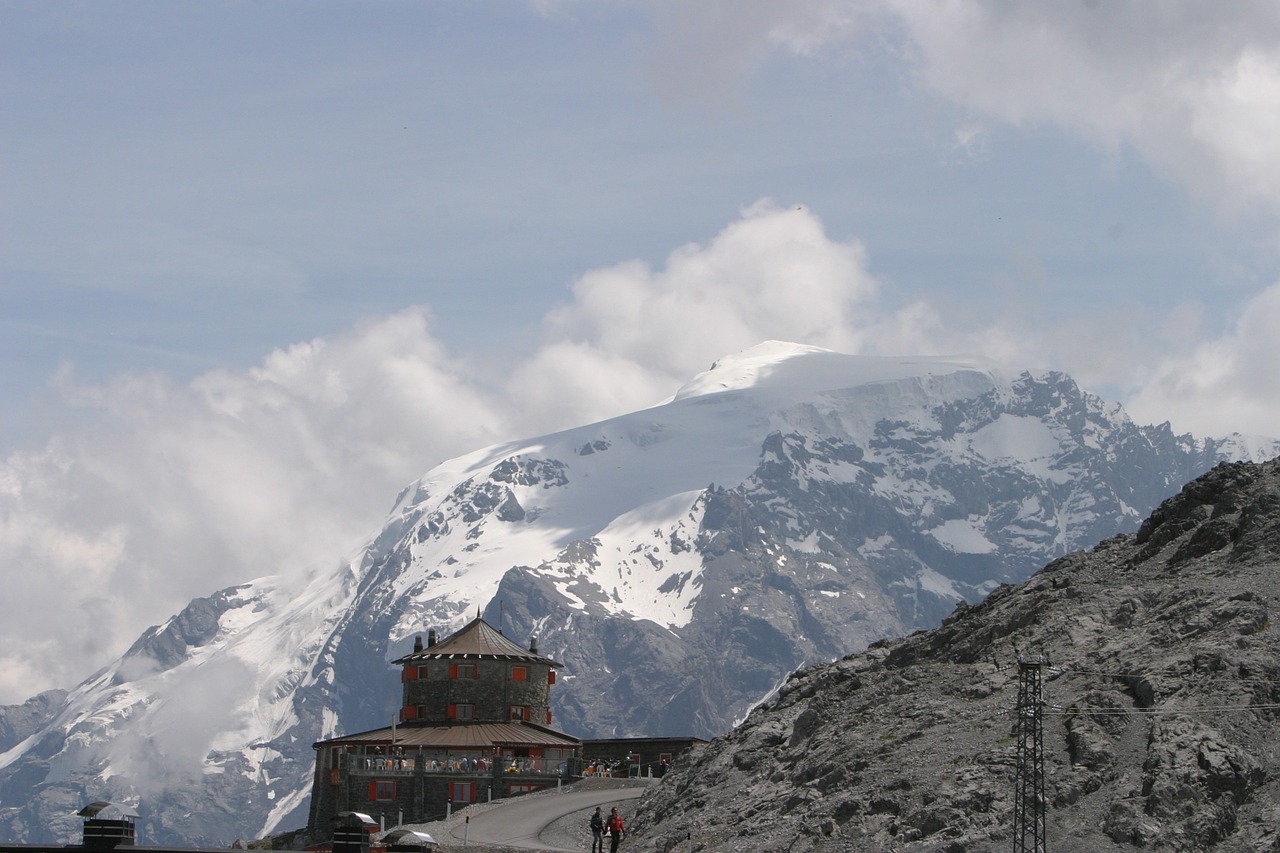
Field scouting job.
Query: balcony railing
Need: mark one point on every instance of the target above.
(373, 764)
(376, 766)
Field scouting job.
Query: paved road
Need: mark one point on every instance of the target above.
(521, 822)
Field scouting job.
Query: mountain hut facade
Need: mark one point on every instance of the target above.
(474, 724)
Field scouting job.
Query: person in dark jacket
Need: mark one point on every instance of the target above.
(597, 831)
(615, 828)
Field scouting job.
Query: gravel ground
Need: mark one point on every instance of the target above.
(569, 832)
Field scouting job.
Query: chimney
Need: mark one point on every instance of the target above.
(533, 645)
(431, 638)
(417, 643)
(107, 826)
(351, 832)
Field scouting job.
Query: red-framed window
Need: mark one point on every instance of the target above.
(464, 670)
(521, 712)
(461, 712)
(382, 792)
(524, 789)
(462, 792)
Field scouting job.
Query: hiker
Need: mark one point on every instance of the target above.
(597, 832)
(616, 829)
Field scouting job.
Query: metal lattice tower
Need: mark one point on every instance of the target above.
(1028, 798)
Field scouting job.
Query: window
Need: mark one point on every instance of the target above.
(464, 670)
(382, 792)
(520, 712)
(464, 712)
(410, 673)
(524, 789)
(519, 673)
(462, 792)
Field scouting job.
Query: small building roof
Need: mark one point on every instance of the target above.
(408, 838)
(356, 819)
(475, 640)
(103, 810)
(459, 736)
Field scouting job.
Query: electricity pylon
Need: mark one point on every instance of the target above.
(1028, 797)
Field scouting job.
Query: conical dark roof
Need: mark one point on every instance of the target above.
(477, 639)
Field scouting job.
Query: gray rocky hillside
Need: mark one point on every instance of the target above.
(1161, 729)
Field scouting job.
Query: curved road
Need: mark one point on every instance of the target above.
(520, 822)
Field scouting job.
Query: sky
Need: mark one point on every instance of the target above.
(264, 264)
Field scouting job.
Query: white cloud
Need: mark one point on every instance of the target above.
(772, 273)
(176, 491)
(1192, 87)
(633, 334)
(1227, 384)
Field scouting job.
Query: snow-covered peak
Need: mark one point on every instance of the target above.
(783, 370)
(791, 503)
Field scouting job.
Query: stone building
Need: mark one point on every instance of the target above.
(475, 724)
(634, 756)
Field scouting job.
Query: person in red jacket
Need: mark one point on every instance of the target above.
(615, 829)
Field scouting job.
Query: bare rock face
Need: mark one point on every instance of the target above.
(18, 722)
(1161, 714)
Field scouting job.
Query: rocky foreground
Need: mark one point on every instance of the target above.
(1161, 728)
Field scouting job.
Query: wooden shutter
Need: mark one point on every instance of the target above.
(519, 673)
(551, 676)
(453, 670)
(453, 712)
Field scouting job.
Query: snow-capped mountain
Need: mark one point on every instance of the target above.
(789, 505)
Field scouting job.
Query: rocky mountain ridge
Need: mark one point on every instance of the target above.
(788, 506)
(1161, 715)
